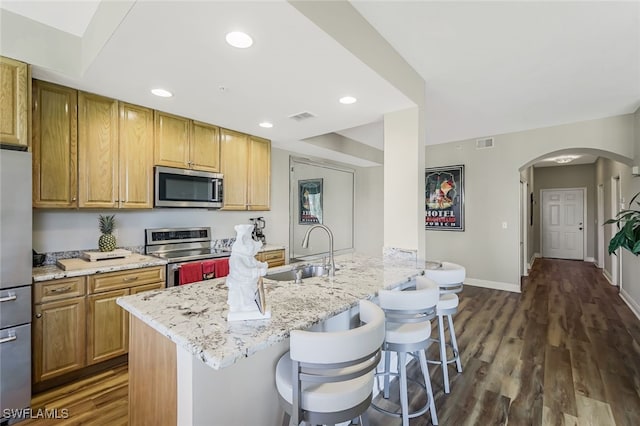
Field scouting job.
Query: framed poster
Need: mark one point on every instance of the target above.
(310, 201)
(444, 198)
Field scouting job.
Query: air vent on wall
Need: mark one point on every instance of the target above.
(302, 116)
(484, 143)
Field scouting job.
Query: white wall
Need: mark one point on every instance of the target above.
(492, 193)
(369, 213)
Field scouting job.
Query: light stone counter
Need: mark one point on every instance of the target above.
(135, 261)
(194, 316)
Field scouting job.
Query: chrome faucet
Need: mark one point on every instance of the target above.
(305, 244)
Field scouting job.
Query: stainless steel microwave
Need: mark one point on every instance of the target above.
(187, 188)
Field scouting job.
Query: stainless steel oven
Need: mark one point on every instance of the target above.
(187, 188)
(180, 246)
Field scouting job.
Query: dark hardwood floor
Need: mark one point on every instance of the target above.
(564, 352)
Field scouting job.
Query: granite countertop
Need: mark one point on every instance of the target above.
(269, 247)
(135, 261)
(194, 316)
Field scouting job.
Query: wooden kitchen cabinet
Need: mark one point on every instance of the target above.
(186, 144)
(14, 102)
(55, 146)
(135, 157)
(77, 322)
(58, 328)
(245, 162)
(97, 151)
(259, 174)
(272, 257)
(234, 150)
(107, 326)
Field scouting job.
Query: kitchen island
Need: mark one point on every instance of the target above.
(188, 365)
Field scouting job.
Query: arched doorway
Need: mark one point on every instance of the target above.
(598, 203)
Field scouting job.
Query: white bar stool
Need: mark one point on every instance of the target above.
(450, 278)
(327, 377)
(408, 331)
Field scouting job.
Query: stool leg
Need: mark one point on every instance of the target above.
(387, 369)
(404, 399)
(454, 343)
(364, 419)
(427, 383)
(443, 354)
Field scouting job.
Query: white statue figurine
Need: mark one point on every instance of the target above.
(244, 272)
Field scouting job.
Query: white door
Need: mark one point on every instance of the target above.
(562, 223)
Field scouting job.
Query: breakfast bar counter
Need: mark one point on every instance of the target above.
(221, 368)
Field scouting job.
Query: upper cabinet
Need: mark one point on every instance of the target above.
(14, 102)
(97, 151)
(185, 143)
(246, 166)
(136, 157)
(55, 146)
(94, 152)
(259, 174)
(90, 151)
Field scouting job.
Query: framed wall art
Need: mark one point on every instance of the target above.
(444, 198)
(310, 201)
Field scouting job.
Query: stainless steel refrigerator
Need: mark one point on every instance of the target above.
(15, 283)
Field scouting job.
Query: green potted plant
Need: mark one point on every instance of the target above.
(628, 235)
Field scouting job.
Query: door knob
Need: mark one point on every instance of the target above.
(580, 228)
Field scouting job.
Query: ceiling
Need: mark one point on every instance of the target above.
(489, 67)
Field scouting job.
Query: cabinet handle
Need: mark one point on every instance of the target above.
(73, 199)
(129, 279)
(38, 315)
(59, 289)
(8, 339)
(8, 298)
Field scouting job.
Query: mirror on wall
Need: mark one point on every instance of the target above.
(320, 192)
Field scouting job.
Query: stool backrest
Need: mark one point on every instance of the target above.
(335, 356)
(411, 305)
(340, 346)
(444, 276)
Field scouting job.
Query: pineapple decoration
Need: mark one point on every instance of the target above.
(107, 241)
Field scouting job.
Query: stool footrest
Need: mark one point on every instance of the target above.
(412, 414)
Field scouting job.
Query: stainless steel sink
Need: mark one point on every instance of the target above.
(297, 274)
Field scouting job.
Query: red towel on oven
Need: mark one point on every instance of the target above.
(208, 269)
(190, 273)
(222, 267)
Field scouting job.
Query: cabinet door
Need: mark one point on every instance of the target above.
(58, 338)
(107, 327)
(171, 141)
(136, 157)
(204, 153)
(14, 107)
(55, 146)
(233, 164)
(259, 185)
(97, 151)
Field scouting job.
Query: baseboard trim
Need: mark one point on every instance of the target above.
(495, 285)
(532, 260)
(632, 304)
(607, 276)
(590, 259)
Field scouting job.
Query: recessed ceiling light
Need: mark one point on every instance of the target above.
(564, 159)
(348, 100)
(266, 125)
(239, 39)
(162, 93)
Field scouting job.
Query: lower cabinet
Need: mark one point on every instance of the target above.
(107, 327)
(272, 257)
(77, 322)
(58, 338)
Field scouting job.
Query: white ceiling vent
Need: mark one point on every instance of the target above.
(484, 143)
(302, 116)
